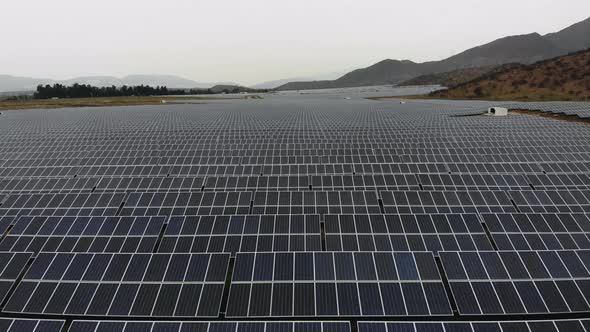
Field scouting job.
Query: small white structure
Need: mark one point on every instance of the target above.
(497, 111)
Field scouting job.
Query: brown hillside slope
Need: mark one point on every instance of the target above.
(450, 78)
(562, 78)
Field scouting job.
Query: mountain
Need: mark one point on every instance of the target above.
(561, 78)
(521, 49)
(277, 83)
(449, 78)
(310, 85)
(573, 38)
(169, 81)
(14, 83)
(384, 72)
(524, 49)
(232, 88)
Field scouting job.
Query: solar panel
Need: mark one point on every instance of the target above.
(242, 233)
(315, 202)
(33, 325)
(5, 223)
(533, 325)
(217, 326)
(420, 232)
(518, 282)
(404, 202)
(336, 284)
(196, 203)
(94, 204)
(11, 266)
(154, 285)
(83, 234)
(548, 231)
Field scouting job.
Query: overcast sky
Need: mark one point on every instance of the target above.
(255, 40)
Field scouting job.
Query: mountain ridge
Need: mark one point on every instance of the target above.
(525, 48)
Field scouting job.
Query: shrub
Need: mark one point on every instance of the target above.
(478, 91)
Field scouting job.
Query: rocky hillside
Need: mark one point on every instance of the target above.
(561, 78)
(449, 78)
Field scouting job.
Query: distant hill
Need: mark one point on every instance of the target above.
(521, 49)
(449, 78)
(573, 38)
(15, 83)
(277, 83)
(307, 85)
(230, 88)
(561, 78)
(524, 49)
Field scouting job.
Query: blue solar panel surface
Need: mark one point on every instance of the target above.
(295, 213)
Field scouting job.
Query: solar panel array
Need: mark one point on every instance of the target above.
(294, 214)
(578, 325)
(336, 284)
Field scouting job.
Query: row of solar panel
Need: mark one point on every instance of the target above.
(300, 284)
(331, 129)
(199, 162)
(299, 224)
(245, 166)
(299, 169)
(261, 233)
(35, 325)
(312, 182)
(508, 326)
(226, 136)
(183, 140)
(133, 154)
(122, 285)
(191, 146)
(81, 234)
(371, 131)
(253, 149)
(309, 202)
(519, 282)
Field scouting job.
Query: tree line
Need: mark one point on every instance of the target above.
(86, 91)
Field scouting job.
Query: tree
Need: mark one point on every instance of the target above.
(478, 91)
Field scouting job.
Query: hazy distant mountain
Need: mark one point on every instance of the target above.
(524, 49)
(277, 83)
(14, 83)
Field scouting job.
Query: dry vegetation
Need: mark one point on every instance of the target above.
(561, 78)
(450, 78)
(95, 102)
